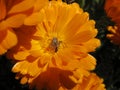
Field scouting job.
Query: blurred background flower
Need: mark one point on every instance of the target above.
(110, 7)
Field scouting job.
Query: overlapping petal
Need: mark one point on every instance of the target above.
(22, 6)
(92, 82)
(7, 40)
(58, 79)
(13, 13)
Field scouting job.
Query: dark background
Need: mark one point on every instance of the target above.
(108, 55)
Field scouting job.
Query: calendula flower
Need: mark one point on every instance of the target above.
(57, 79)
(62, 39)
(12, 15)
(53, 79)
(114, 34)
(112, 8)
(92, 82)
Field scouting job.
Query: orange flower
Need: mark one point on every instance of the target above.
(12, 15)
(53, 79)
(114, 36)
(112, 8)
(61, 40)
(92, 82)
(56, 79)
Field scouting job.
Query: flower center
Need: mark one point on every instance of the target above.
(55, 44)
(52, 44)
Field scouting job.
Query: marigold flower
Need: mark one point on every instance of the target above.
(92, 82)
(114, 36)
(53, 79)
(112, 8)
(56, 79)
(12, 15)
(62, 39)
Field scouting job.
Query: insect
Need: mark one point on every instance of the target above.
(55, 44)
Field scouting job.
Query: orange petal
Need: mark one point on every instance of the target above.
(44, 59)
(24, 80)
(34, 18)
(3, 25)
(24, 5)
(2, 9)
(26, 67)
(88, 63)
(85, 33)
(20, 67)
(21, 55)
(33, 68)
(79, 23)
(39, 4)
(8, 41)
(15, 21)
(72, 65)
(92, 44)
